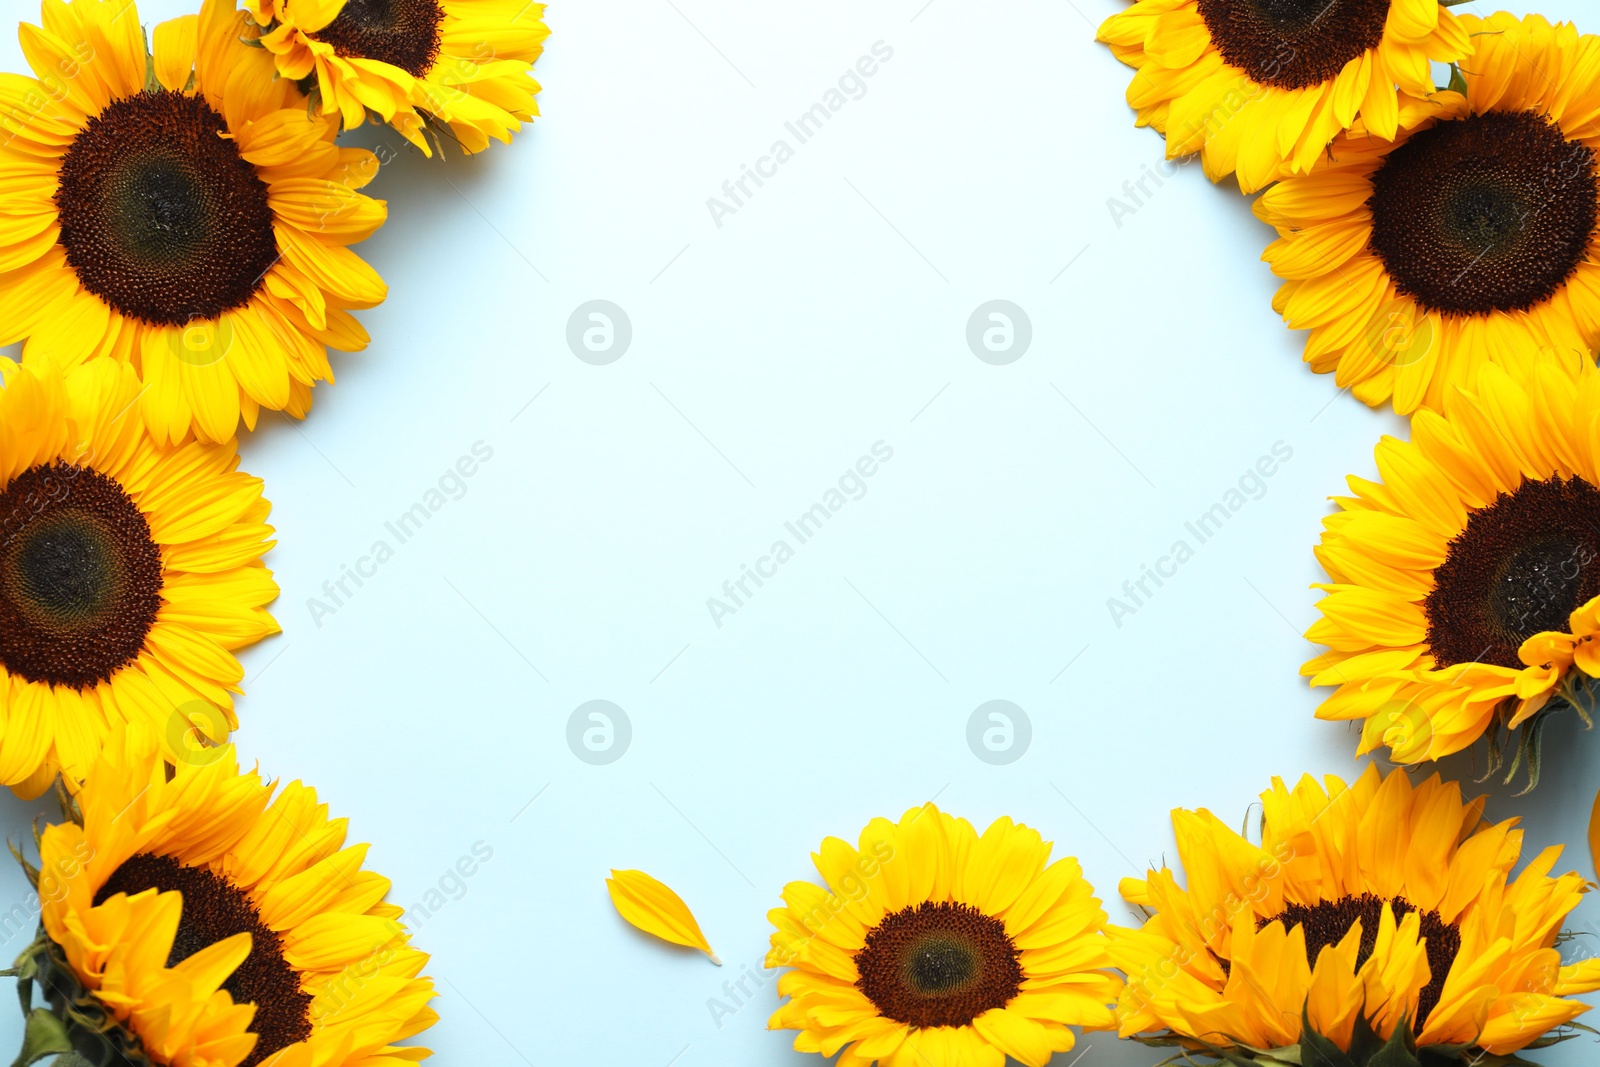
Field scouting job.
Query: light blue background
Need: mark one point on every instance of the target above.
(768, 354)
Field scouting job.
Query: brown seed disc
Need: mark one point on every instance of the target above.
(80, 578)
(1520, 567)
(214, 909)
(938, 964)
(1327, 922)
(160, 216)
(402, 33)
(1293, 44)
(1488, 213)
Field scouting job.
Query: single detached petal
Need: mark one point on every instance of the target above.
(657, 910)
(1594, 835)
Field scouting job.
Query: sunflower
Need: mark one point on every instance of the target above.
(465, 66)
(935, 947)
(286, 952)
(191, 221)
(1259, 87)
(1364, 910)
(1468, 236)
(129, 573)
(1464, 591)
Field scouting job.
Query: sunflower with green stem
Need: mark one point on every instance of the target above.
(198, 916)
(1463, 592)
(1376, 922)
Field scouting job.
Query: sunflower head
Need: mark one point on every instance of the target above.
(1259, 87)
(1416, 255)
(934, 945)
(1464, 585)
(217, 920)
(129, 573)
(461, 69)
(1368, 914)
(180, 211)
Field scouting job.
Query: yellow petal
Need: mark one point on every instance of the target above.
(1594, 834)
(312, 15)
(657, 910)
(176, 42)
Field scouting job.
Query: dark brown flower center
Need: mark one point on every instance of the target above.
(1327, 922)
(160, 216)
(938, 964)
(1488, 213)
(80, 578)
(215, 909)
(402, 33)
(1520, 567)
(1293, 44)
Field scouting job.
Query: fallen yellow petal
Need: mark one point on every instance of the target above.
(1594, 835)
(657, 910)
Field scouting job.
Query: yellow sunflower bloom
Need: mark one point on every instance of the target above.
(933, 946)
(1364, 909)
(462, 66)
(223, 921)
(191, 220)
(1464, 590)
(1259, 87)
(129, 573)
(1415, 257)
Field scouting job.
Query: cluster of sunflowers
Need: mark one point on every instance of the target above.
(1440, 246)
(175, 222)
(1439, 243)
(1373, 924)
(174, 254)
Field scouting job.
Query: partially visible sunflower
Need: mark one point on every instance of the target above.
(221, 924)
(180, 212)
(1464, 591)
(1365, 909)
(1415, 257)
(1259, 87)
(934, 947)
(466, 65)
(129, 573)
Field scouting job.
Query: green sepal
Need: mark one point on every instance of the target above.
(72, 1023)
(44, 1034)
(1365, 1042)
(1458, 81)
(1398, 1051)
(1322, 1049)
(1367, 1049)
(1527, 746)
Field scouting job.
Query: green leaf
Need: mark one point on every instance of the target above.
(43, 1035)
